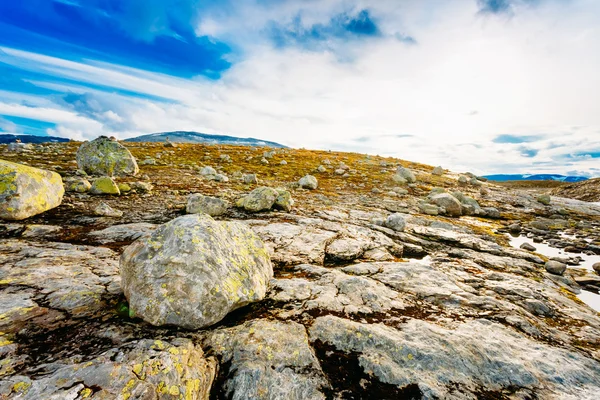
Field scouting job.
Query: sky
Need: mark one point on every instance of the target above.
(487, 86)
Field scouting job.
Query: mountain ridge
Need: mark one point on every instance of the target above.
(198, 137)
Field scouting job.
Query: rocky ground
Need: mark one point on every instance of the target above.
(586, 190)
(359, 308)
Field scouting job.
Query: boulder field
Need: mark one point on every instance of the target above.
(368, 285)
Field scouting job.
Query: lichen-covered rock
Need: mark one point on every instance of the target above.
(260, 199)
(449, 203)
(308, 182)
(200, 204)
(407, 174)
(193, 270)
(26, 191)
(103, 156)
(77, 185)
(142, 187)
(284, 200)
(105, 185)
(148, 369)
(268, 360)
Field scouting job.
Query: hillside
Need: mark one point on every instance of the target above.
(197, 137)
(388, 282)
(586, 191)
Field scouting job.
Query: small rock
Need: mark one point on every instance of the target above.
(264, 161)
(555, 267)
(142, 187)
(105, 185)
(284, 200)
(514, 228)
(321, 169)
(407, 174)
(528, 247)
(124, 188)
(260, 199)
(207, 171)
(250, 178)
(200, 204)
(438, 171)
(104, 210)
(544, 199)
(78, 185)
(308, 182)
(396, 222)
(462, 180)
(596, 267)
(283, 162)
(428, 209)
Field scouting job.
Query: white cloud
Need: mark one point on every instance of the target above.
(532, 73)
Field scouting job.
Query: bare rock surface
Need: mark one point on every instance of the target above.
(371, 293)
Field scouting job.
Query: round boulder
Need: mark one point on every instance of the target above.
(192, 271)
(449, 203)
(103, 156)
(308, 182)
(556, 267)
(26, 191)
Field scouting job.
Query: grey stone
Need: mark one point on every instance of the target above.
(193, 270)
(104, 210)
(425, 354)
(555, 267)
(528, 247)
(103, 156)
(396, 222)
(213, 206)
(438, 171)
(407, 174)
(260, 199)
(449, 203)
(268, 360)
(308, 182)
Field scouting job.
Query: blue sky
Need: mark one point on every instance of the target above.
(481, 85)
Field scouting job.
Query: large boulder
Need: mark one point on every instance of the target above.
(193, 270)
(449, 203)
(26, 191)
(103, 156)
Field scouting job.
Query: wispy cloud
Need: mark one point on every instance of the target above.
(474, 94)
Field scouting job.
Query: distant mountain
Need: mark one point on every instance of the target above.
(10, 138)
(197, 137)
(535, 177)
